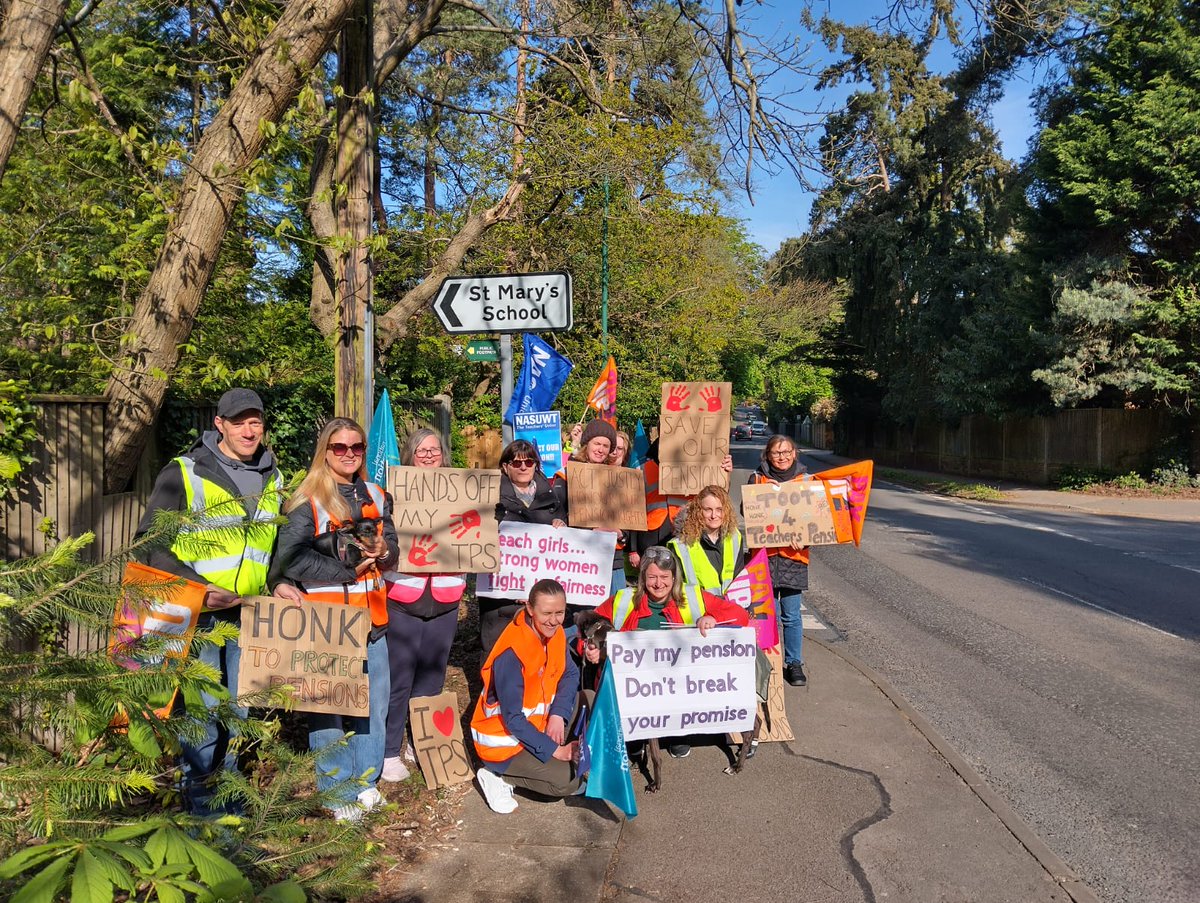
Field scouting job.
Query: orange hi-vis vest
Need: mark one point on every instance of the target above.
(542, 664)
(369, 591)
(659, 507)
(800, 555)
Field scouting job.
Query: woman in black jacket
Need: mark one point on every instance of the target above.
(526, 496)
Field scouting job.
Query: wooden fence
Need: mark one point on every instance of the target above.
(1029, 449)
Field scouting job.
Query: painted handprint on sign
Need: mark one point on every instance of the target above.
(462, 524)
(422, 548)
(711, 396)
(677, 397)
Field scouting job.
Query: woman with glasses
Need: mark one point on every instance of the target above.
(661, 599)
(709, 546)
(338, 538)
(527, 497)
(422, 621)
(789, 566)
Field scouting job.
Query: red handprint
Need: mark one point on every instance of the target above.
(712, 397)
(462, 524)
(422, 548)
(676, 397)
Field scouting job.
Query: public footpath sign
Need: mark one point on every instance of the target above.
(509, 303)
(483, 350)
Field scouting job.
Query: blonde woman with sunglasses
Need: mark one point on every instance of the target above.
(527, 497)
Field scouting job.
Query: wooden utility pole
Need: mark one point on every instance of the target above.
(354, 183)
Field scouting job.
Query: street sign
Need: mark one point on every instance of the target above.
(509, 303)
(483, 350)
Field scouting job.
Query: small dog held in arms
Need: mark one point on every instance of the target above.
(593, 632)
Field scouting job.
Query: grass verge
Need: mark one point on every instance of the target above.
(980, 492)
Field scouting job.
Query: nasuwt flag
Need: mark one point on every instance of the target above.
(543, 374)
(609, 778)
(641, 445)
(849, 487)
(381, 443)
(603, 397)
(751, 588)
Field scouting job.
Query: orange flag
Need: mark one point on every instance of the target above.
(603, 397)
(849, 487)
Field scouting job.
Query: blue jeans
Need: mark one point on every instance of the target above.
(354, 765)
(204, 760)
(791, 626)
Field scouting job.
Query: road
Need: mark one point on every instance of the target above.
(1056, 651)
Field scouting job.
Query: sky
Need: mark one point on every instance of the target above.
(780, 203)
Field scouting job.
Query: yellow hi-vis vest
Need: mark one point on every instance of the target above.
(697, 567)
(227, 546)
(691, 606)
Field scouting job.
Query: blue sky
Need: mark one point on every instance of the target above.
(781, 205)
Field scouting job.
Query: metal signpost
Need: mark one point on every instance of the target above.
(504, 304)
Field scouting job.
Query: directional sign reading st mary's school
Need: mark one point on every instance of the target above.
(514, 302)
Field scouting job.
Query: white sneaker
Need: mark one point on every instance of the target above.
(394, 770)
(371, 798)
(497, 792)
(351, 812)
(408, 755)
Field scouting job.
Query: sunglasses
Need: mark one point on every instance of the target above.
(341, 449)
(522, 463)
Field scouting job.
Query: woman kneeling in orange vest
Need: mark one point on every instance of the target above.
(530, 692)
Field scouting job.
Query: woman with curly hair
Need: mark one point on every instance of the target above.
(709, 546)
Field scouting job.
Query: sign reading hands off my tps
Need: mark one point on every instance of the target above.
(672, 683)
(445, 519)
(693, 436)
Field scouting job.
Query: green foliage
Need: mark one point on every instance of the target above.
(1075, 478)
(1173, 474)
(90, 817)
(1131, 480)
(18, 430)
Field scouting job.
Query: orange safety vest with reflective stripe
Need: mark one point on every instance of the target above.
(659, 507)
(542, 665)
(369, 591)
(698, 569)
(800, 555)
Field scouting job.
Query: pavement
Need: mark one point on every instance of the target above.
(868, 803)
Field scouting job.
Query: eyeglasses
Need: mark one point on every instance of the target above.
(427, 453)
(522, 463)
(786, 453)
(341, 449)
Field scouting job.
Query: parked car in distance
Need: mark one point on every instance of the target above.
(758, 428)
(742, 432)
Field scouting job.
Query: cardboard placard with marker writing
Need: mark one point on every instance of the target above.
(445, 519)
(780, 514)
(611, 498)
(438, 740)
(693, 436)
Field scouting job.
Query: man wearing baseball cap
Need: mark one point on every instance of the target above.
(228, 477)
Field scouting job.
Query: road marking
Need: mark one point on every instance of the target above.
(1074, 598)
(809, 621)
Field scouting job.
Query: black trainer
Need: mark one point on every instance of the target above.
(679, 750)
(794, 674)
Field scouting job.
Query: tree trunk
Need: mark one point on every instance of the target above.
(25, 38)
(165, 311)
(355, 173)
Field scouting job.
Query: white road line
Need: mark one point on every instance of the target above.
(1074, 598)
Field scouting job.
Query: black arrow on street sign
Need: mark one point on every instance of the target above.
(445, 302)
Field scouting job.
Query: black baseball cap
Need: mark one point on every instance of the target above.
(238, 401)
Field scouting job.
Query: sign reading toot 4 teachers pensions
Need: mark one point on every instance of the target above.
(693, 437)
(800, 512)
(445, 519)
(318, 648)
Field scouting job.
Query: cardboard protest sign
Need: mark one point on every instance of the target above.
(581, 560)
(445, 519)
(676, 682)
(778, 514)
(849, 488)
(153, 603)
(438, 740)
(752, 590)
(318, 648)
(612, 498)
(544, 430)
(694, 437)
(775, 726)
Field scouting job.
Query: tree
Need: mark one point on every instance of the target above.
(27, 29)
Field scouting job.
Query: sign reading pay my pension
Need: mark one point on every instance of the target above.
(319, 648)
(693, 437)
(675, 682)
(581, 560)
(445, 519)
(778, 514)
